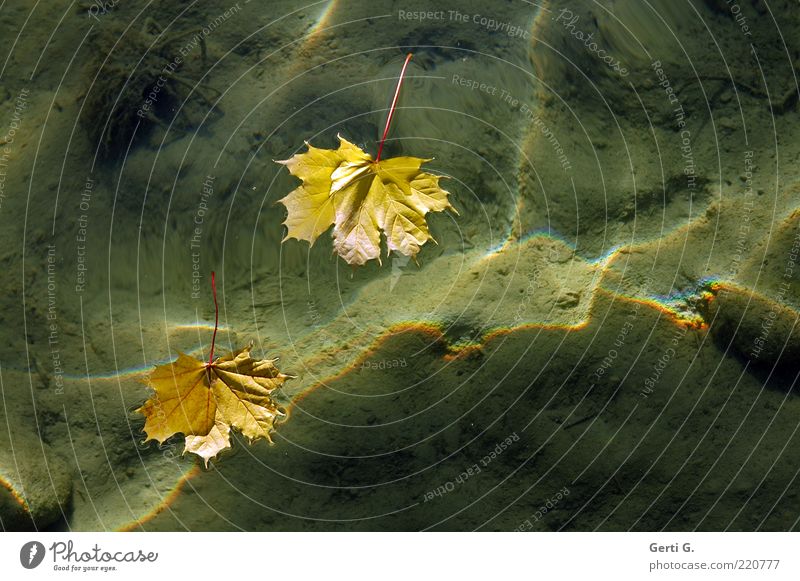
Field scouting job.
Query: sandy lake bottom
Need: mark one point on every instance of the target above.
(601, 337)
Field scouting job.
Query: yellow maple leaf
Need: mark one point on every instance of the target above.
(203, 401)
(361, 198)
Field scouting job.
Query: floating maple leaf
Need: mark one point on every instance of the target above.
(204, 401)
(362, 197)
